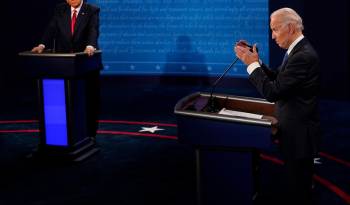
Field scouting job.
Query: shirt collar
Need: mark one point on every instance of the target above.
(77, 9)
(295, 42)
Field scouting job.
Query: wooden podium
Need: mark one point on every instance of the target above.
(62, 87)
(226, 145)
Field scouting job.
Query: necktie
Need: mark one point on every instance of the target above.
(285, 58)
(74, 19)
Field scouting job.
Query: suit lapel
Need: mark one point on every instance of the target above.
(67, 21)
(298, 46)
(295, 49)
(80, 19)
(283, 65)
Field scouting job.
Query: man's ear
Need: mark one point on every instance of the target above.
(291, 28)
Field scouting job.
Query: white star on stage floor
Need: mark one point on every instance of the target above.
(317, 161)
(150, 129)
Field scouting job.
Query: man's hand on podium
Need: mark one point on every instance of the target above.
(89, 50)
(39, 49)
(274, 123)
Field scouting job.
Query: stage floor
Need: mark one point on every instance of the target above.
(141, 167)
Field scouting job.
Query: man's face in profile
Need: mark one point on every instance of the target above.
(280, 32)
(74, 3)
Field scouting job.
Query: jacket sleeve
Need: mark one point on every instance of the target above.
(94, 24)
(51, 30)
(271, 74)
(286, 81)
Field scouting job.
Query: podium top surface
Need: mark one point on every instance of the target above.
(194, 106)
(49, 54)
(58, 65)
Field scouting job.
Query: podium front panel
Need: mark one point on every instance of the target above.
(208, 132)
(55, 115)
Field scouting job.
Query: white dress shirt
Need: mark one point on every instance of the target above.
(251, 67)
(71, 15)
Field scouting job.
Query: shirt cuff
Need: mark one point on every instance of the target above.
(91, 47)
(252, 67)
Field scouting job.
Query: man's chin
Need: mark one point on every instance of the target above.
(281, 45)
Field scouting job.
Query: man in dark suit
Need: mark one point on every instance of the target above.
(294, 88)
(74, 27)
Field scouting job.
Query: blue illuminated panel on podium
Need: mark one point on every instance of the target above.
(55, 112)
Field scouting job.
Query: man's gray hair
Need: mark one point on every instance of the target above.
(288, 15)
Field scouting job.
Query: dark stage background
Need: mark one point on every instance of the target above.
(326, 25)
(152, 98)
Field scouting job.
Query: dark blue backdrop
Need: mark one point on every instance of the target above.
(179, 37)
(328, 31)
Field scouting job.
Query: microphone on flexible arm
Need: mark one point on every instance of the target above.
(53, 49)
(211, 104)
(54, 46)
(211, 107)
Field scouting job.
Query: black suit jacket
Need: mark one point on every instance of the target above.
(294, 88)
(86, 30)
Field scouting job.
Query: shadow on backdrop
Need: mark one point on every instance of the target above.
(185, 65)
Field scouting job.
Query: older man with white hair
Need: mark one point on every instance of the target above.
(294, 87)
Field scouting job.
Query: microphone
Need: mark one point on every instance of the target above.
(54, 46)
(53, 49)
(245, 44)
(211, 103)
(211, 107)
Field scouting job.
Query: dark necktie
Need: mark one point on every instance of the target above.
(74, 19)
(285, 58)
